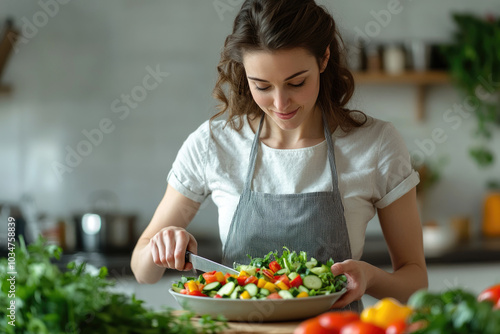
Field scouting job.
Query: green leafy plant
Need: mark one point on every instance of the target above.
(453, 311)
(48, 300)
(474, 65)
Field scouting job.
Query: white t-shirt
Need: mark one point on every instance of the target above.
(373, 168)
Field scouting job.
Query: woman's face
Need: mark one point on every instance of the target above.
(284, 84)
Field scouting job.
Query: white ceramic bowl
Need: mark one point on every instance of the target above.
(261, 310)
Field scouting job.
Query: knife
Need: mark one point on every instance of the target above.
(202, 264)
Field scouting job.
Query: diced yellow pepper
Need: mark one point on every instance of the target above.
(270, 286)
(220, 277)
(302, 295)
(245, 295)
(192, 286)
(261, 282)
(282, 285)
(243, 273)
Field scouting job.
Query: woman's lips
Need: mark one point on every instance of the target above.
(286, 115)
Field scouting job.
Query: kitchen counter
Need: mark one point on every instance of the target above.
(474, 251)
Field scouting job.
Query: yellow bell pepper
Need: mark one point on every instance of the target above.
(245, 295)
(243, 273)
(270, 286)
(261, 282)
(282, 285)
(385, 312)
(302, 295)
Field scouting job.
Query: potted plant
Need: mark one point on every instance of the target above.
(474, 65)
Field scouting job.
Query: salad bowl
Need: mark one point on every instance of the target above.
(261, 310)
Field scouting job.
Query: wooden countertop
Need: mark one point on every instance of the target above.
(285, 327)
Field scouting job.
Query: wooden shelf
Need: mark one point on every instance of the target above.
(419, 79)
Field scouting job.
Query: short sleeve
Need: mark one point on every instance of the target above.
(187, 175)
(395, 175)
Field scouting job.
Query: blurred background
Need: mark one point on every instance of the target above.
(97, 97)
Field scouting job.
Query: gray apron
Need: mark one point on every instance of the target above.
(312, 222)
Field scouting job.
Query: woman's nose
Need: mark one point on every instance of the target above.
(281, 100)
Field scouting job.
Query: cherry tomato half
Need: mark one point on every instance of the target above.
(397, 327)
(360, 327)
(492, 294)
(311, 326)
(334, 321)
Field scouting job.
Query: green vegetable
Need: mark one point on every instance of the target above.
(300, 264)
(453, 311)
(50, 301)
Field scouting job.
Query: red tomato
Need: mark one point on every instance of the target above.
(197, 293)
(492, 294)
(268, 273)
(274, 295)
(251, 279)
(397, 327)
(209, 278)
(296, 282)
(241, 280)
(184, 291)
(274, 266)
(283, 278)
(334, 321)
(217, 296)
(311, 326)
(360, 327)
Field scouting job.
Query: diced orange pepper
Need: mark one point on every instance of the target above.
(270, 286)
(245, 295)
(302, 295)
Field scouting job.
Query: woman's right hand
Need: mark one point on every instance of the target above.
(169, 245)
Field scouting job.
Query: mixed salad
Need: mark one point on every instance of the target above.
(289, 275)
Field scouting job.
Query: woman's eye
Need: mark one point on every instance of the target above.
(262, 88)
(298, 85)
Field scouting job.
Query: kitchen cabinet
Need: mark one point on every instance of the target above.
(421, 81)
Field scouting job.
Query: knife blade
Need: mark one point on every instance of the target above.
(203, 264)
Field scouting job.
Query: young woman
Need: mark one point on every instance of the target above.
(291, 165)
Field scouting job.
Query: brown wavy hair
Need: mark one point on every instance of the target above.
(271, 25)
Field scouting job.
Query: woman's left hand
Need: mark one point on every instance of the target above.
(357, 280)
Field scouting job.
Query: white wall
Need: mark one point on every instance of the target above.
(68, 73)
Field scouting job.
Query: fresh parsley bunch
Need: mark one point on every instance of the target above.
(49, 301)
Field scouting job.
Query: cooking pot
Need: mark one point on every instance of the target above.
(104, 228)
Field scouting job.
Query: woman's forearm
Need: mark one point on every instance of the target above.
(400, 284)
(143, 267)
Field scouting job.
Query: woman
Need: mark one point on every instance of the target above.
(291, 166)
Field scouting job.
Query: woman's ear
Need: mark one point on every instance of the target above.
(324, 60)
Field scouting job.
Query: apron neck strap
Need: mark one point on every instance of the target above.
(255, 150)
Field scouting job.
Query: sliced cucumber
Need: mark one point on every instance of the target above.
(285, 294)
(227, 289)
(251, 288)
(312, 282)
(320, 270)
(292, 275)
(264, 292)
(212, 286)
(303, 289)
(312, 263)
(282, 271)
(236, 293)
